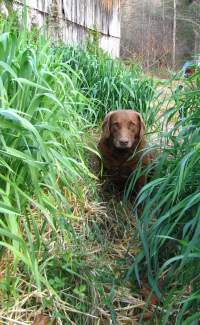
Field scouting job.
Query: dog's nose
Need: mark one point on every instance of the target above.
(124, 141)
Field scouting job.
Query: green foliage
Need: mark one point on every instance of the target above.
(42, 141)
(7, 3)
(46, 112)
(51, 98)
(108, 84)
(169, 228)
(92, 40)
(9, 22)
(74, 282)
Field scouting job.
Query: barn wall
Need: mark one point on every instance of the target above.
(68, 20)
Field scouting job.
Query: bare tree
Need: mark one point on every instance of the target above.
(174, 35)
(160, 33)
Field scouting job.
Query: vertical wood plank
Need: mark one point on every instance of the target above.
(70, 15)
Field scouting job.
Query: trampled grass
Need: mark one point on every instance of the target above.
(69, 245)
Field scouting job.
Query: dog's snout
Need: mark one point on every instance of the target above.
(124, 141)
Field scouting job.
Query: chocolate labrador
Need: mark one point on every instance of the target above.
(121, 147)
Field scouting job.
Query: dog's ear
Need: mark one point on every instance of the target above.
(106, 125)
(141, 126)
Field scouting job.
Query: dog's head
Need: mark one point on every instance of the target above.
(124, 127)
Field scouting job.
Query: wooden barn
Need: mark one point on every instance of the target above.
(70, 20)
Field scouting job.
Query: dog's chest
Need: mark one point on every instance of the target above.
(118, 164)
(119, 167)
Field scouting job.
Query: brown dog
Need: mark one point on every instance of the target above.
(121, 138)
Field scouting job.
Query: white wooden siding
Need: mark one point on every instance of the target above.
(68, 20)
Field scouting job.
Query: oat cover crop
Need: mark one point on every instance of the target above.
(52, 98)
(169, 228)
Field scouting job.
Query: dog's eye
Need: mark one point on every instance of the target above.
(116, 123)
(132, 123)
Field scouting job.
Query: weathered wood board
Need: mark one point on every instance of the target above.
(68, 20)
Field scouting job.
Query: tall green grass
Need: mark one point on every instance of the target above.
(110, 84)
(169, 228)
(42, 143)
(51, 97)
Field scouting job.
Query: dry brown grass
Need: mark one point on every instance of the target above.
(112, 224)
(117, 227)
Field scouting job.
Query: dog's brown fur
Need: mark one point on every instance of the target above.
(123, 136)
